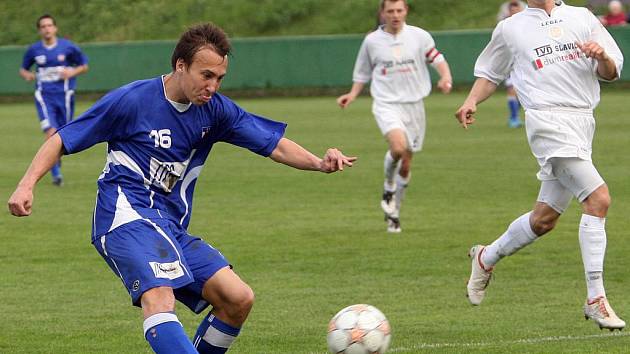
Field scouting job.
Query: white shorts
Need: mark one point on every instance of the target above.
(573, 177)
(559, 132)
(409, 117)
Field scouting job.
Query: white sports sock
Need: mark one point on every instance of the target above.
(391, 168)
(518, 235)
(593, 246)
(401, 187)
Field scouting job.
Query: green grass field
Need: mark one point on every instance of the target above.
(310, 244)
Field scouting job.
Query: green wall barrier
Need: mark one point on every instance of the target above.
(258, 63)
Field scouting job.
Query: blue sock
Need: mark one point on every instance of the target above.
(214, 336)
(514, 106)
(55, 171)
(166, 335)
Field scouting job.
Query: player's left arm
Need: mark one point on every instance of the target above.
(291, 154)
(445, 84)
(79, 62)
(603, 49)
(72, 71)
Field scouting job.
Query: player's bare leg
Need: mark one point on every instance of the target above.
(397, 156)
(232, 300)
(162, 328)
(593, 246)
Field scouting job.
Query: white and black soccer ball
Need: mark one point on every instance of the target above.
(359, 329)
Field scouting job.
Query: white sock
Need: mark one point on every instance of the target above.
(401, 187)
(518, 235)
(593, 246)
(391, 168)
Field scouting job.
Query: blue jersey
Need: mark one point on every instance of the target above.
(156, 152)
(50, 61)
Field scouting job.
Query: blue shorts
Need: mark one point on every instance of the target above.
(150, 253)
(54, 109)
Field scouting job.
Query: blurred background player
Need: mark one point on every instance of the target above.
(58, 61)
(560, 128)
(616, 15)
(159, 133)
(394, 58)
(506, 10)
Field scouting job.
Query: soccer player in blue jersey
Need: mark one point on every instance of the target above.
(58, 61)
(159, 133)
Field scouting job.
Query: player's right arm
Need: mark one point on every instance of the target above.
(344, 100)
(27, 75)
(27, 62)
(361, 75)
(492, 66)
(21, 200)
(481, 90)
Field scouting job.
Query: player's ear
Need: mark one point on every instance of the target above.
(180, 65)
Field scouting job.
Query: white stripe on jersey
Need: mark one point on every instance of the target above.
(124, 212)
(190, 177)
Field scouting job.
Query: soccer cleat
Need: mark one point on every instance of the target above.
(388, 203)
(479, 276)
(58, 181)
(515, 123)
(393, 224)
(599, 310)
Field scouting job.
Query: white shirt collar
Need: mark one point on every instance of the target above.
(180, 107)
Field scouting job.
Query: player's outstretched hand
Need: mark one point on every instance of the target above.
(335, 160)
(592, 50)
(21, 202)
(344, 100)
(465, 114)
(445, 85)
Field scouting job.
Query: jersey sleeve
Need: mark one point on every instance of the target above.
(431, 54)
(600, 35)
(29, 59)
(363, 65)
(76, 56)
(104, 121)
(241, 128)
(495, 61)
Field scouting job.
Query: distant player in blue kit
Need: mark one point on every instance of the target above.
(159, 133)
(58, 61)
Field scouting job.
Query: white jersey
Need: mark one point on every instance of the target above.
(396, 65)
(549, 70)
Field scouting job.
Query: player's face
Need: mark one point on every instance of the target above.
(47, 29)
(203, 77)
(394, 14)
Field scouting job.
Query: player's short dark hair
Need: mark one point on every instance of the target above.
(44, 16)
(382, 7)
(198, 37)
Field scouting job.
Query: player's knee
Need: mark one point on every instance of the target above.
(597, 203)
(542, 224)
(157, 300)
(397, 150)
(240, 304)
(405, 167)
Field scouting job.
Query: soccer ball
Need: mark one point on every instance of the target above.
(359, 329)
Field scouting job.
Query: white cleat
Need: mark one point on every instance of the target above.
(479, 276)
(393, 225)
(388, 203)
(599, 310)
